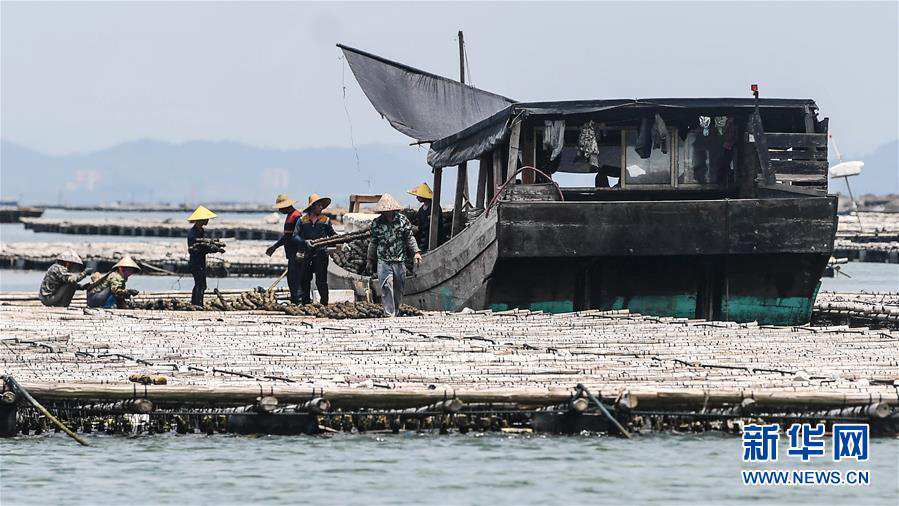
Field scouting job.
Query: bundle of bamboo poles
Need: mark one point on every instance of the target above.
(869, 308)
(260, 299)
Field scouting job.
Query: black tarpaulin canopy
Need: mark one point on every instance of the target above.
(422, 105)
(482, 137)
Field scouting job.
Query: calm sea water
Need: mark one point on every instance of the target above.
(412, 469)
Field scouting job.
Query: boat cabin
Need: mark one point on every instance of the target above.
(711, 208)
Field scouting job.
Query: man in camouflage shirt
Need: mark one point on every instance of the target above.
(61, 280)
(391, 241)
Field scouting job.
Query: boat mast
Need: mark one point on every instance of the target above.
(462, 175)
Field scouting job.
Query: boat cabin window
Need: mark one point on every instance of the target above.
(604, 165)
(653, 153)
(705, 152)
(647, 158)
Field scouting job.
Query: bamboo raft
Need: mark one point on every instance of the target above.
(241, 258)
(868, 237)
(231, 208)
(13, 214)
(220, 229)
(878, 310)
(514, 369)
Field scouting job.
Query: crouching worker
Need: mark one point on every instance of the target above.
(198, 248)
(61, 280)
(391, 243)
(109, 291)
(311, 226)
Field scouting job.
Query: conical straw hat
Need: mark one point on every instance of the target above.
(70, 256)
(201, 214)
(127, 261)
(282, 201)
(387, 203)
(422, 190)
(316, 198)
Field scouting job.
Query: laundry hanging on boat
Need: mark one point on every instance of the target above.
(704, 123)
(587, 147)
(660, 134)
(554, 138)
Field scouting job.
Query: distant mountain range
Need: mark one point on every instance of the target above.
(206, 171)
(150, 171)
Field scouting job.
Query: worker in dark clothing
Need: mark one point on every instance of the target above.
(197, 248)
(314, 261)
(284, 205)
(425, 196)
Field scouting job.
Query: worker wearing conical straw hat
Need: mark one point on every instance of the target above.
(313, 260)
(285, 206)
(422, 221)
(109, 290)
(197, 249)
(391, 244)
(61, 280)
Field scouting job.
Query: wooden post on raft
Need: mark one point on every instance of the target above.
(485, 166)
(458, 219)
(462, 174)
(436, 211)
(528, 176)
(489, 168)
(498, 178)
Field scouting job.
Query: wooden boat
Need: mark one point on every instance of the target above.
(724, 216)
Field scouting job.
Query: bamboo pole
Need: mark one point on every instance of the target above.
(436, 211)
(605, 411)
(278, 280)
(24, 393)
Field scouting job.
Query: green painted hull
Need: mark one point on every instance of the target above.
(768, 289)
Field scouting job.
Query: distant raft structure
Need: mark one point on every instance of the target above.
(15, 214)
(234, 229)
(868, 237)
(241, 257)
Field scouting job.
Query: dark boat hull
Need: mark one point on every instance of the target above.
(737, 260)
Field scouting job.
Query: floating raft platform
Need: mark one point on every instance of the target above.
(868, 237)
(510, 370)
(241, 258)
(181, 208)
(235, 229)
(876, 310)
(9, 214)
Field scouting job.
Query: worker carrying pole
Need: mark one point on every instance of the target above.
(311, 226)
(285, 206)
(198, 247)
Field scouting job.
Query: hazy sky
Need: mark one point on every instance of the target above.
(78, 77)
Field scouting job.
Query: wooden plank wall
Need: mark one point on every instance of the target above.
(799, 158)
